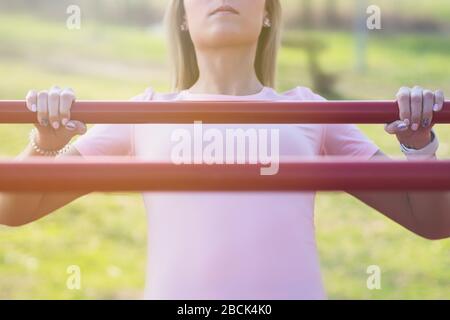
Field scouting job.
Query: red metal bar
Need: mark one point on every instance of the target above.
(223, 112)
(131, 174)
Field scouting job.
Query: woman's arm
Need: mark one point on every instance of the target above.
(424, 213)
(17, 209)
(51, 107)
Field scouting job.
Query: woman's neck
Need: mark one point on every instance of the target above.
(227, 71)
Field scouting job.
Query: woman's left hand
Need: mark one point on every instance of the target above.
(416, 107)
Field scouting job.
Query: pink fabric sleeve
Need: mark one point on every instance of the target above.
(110, 139)
(106, 140)
(343, 139)
(346, 140)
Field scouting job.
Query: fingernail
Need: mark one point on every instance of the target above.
(425, 123)
(33, 108)
(64, 121)
(436, 107)
(55, 124)
(71, 126)
(402, 126)
(415, 126)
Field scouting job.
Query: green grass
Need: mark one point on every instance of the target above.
(105, 234)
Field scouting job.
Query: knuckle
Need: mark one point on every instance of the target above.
(404, 89)
(42, 116)
(31, 94)
(53, 95)
(41, 110)
(53, 111)
(439, 95)
(405, 112)
(65, 115)
(404, 115)
(53, 119)
(42, 94)
(415, 118)
(64, 109)
(415, 98)
(403, 97)
(416, 111)
(427, 110)
(403, 92)
(427, 94)
(400, 94)
(67, 96)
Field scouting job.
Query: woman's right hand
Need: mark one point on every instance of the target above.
(55, 129)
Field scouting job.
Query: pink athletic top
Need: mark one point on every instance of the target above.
(221, 245)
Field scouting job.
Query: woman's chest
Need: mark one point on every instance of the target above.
(223, 143)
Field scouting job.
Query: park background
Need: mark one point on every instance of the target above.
(120, 50)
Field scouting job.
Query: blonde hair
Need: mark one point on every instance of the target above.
(185, 71)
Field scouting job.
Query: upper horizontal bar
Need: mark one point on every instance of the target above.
(279, 112)
(67, 174)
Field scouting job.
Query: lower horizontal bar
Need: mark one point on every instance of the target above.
(67, 174)
(278, 112)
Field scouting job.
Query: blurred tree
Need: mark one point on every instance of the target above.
(306, 14)
(322, 82)
(331, 16)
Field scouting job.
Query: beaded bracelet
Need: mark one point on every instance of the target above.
(43, 152)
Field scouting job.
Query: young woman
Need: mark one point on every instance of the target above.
(233, 245)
